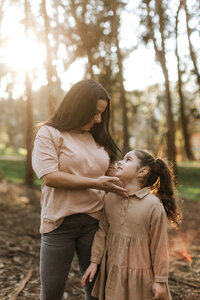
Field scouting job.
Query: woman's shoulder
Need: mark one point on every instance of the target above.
(47, 130)
(48, 134)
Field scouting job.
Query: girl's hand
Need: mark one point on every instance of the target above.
(90, 272)
(159, 290)
(111, 184)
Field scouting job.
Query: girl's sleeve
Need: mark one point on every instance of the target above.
(99, 241)
(159, 245)
(44, 156)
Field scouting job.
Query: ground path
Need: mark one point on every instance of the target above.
(20, 244)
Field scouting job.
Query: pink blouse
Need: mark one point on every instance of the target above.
(74, 153)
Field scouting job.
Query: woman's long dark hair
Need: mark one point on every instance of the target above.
(160, 180)
(78, 108)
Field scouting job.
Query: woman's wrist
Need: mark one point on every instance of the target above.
(95, 183)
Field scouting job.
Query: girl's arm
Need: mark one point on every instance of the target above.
(97, 251)
(90, 272)
(159, 251)
(99, 241)
(159, 290)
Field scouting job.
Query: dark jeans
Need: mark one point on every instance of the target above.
(76, 233)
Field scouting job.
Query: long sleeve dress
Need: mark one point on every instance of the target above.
(131, 246)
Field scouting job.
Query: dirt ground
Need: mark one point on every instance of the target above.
(20, 247)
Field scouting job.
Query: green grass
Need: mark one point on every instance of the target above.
(188, 184)
(189, 181)
(14, 171)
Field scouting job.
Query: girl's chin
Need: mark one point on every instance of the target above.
(118, 173)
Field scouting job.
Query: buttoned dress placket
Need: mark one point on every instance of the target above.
(124, 210)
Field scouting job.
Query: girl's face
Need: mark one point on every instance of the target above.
(128, 167)
(100, 108)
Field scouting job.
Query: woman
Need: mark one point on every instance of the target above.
(73, 154)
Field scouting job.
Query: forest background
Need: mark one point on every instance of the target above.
(146, 53)
(46, 46)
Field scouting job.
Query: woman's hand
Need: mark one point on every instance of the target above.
(111, 184)
(159, 290)
(90, 272)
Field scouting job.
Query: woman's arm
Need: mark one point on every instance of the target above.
(45, 163)
(65, 180)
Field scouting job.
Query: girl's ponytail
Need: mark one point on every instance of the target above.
(166, 191)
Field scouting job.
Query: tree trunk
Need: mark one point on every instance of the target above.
(184, 120)
(192, 52)
(90, 62)
(29, 133)
(123, 99)
(171, 149)
(49, 67)
(29, 179)
(83, 32)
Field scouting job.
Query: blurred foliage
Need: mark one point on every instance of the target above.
(188, 177)
(85, 29)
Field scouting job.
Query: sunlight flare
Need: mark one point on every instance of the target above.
(24, 53)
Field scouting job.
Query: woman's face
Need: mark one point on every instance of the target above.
(100, 108)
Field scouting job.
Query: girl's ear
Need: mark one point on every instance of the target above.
(143, 171)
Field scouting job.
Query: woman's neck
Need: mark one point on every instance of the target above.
(78, 130)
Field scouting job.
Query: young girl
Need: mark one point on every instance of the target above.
(131, 242)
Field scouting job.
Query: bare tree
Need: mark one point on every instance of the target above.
(123, 99)
(155, 22)
(184, 120)
(29, 179)
(192, 52)
(49, 58)
(84, 30)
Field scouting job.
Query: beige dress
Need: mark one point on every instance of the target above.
(132, 246)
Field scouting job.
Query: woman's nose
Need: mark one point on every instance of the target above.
(120, 162)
